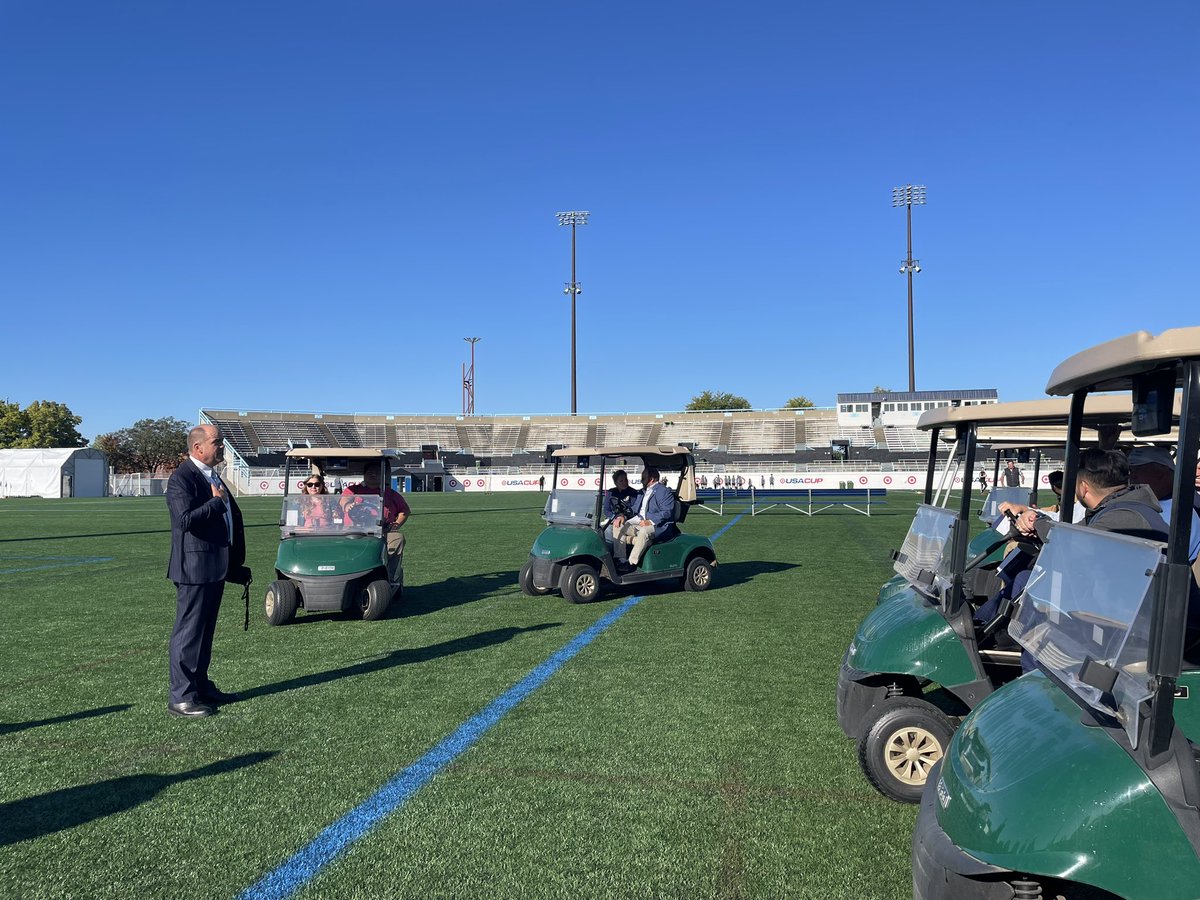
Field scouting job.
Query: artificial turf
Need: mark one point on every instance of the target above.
(691, 750)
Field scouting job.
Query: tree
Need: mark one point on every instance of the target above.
(43, 423)
(52, 424)
(116, 447)
(881, 390)
(800, 402)
(146, 446)
(710, 401)
(14, 425)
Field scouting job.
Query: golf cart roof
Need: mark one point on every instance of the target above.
(343, 453)
(1108, 366)
(657, 452)
(1051, 411)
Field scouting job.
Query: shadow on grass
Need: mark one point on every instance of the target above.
(13, 727)
(70, 537)
(394, 659)
(426, 598)
(734, 573)
(34, 817)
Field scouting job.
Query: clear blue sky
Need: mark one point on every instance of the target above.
(308, 206)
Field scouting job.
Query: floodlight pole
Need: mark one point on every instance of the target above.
(908, 196)
(469, 380)
(573, 288)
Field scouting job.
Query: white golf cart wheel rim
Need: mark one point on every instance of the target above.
(701, 575)
(585, 584)
(270, 603)
(910, 753)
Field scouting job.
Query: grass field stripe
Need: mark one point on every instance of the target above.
(732, 522)
(307, 862)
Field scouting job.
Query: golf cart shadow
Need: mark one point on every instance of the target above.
(726, 575)
(427, 598)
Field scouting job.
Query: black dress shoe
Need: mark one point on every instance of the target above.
(190, 710)
(216, 697)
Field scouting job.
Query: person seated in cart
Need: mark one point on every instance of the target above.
(620, 499)
(395, 512)
(314, 513)
(654, 519)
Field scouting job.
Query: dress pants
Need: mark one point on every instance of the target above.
(196, 607)
(640, 536)
(395, 552)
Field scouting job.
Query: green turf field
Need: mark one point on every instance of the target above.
(691, 750)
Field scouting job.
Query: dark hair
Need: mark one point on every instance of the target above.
(373, 466)
(1104, 469)
(619, 473)
(649, 474)
(1056, 479)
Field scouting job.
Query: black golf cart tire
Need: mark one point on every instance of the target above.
(580, 583)
(900, 742)
(374, 600)
(698, 575)
(279, 605)
(525, 579)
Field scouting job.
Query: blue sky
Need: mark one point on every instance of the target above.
(308, 206)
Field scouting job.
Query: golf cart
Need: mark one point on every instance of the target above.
(1080, 779)
(571, 554)
(919, 662)
(332, 549)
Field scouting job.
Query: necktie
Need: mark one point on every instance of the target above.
(216, 481)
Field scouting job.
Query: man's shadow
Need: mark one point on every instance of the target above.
(33, 817)
(12, 727)
(396, 658)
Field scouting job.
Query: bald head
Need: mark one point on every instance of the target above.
(204, 444)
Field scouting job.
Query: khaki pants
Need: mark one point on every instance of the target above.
(395, 552)
(638, 535)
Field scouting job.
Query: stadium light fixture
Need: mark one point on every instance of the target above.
(469, 379)
(572, 288)
(909, 196)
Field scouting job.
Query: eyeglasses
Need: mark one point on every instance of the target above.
(313, 483)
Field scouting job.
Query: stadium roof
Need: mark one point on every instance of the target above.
(905, 396)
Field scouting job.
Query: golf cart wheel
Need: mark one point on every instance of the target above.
(374, 599)
(899, 745)
(525, 579)
(580, 583)
(699, 574)
(280, 603)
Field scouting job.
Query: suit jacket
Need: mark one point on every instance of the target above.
(661, 508)
(200, 548)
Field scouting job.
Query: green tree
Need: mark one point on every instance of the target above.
(118, 450)
(52, 424)
(711, 401)
(881, 390)
(800, 402)
(159, 443)
(14, 425)
(146, 446)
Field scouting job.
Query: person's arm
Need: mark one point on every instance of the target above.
(403, 511)
(180, 500)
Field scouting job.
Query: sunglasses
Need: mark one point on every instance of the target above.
(313, 483)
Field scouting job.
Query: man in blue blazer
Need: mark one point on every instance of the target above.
(208, 548)
(654, 519)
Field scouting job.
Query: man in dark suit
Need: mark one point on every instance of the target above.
(208, 547)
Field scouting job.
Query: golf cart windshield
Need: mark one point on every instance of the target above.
(1090, 596)
(923, 559)
(571, 507)
(991, 506)
(338, 514)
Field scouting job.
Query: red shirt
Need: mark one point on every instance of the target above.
(393, 503)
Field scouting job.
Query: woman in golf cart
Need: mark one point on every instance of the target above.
(314, 513)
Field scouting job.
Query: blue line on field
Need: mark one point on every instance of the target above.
(61, 562)
(308, 861)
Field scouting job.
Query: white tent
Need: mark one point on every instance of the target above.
(71, 472)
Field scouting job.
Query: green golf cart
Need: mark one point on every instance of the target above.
(919, 661)
(333, 548)
(1080, 779)
(572, 555)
